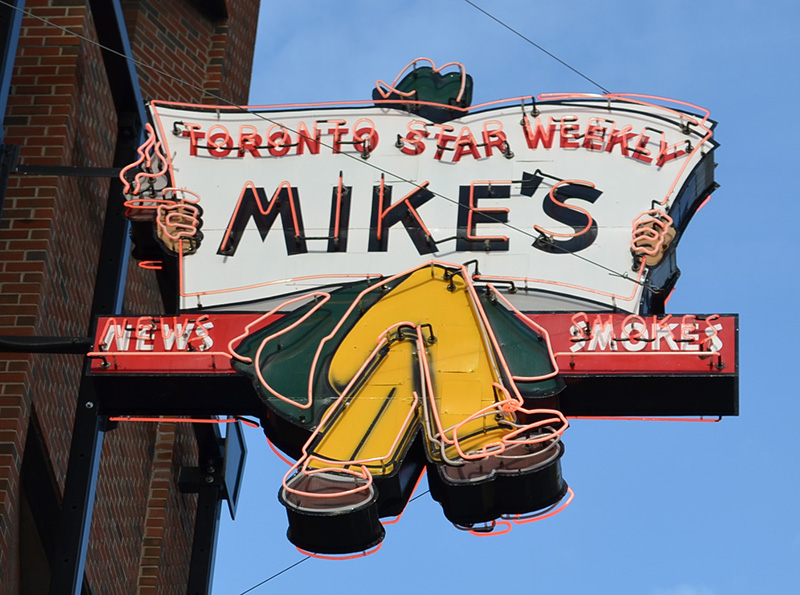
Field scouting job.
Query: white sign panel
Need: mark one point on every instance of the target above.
(547, 196)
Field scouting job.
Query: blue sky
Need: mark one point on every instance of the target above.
(660, 508)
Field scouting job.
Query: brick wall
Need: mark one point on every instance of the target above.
(60, 112)
(46, 245)
(230, 57)
(220, 51)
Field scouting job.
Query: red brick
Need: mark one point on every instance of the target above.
(142, 525)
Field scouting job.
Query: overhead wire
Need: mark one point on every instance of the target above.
(420, 495)
(288, 568)
(537, 46)
(262, 116)
(277, 574)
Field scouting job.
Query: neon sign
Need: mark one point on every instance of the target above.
(438, 285)
(566, 175)
(637, 344)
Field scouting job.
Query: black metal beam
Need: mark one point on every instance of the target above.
(29, 344)
(10, 21)
(66, 170)
(127, 96)
(72, 538)
(9, 154)
(201, 567)
(121, 71)
(84, 457)
(623, 395)
(87, 437)
(649, 395)
(209, 505)
(193, 395)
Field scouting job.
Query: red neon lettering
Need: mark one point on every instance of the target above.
(414, 137)
(167, 333)
(337, 217)
(569, 133)
(250, 189)
(474, 209)
(465, 144)
(662, 329)
(664, 156)
(369, 133)
(442, 139)
(595, 135)
(121, 334)
(538, 134)
(278, 142)
(689, 338)
(621, 138)
(338, 132)
(194, 134)
(249, 140)
(552, 196)
(144, 333)
(405, 200)
(494, 137)
(179, 333)
(636, 333)
(603, 334)
(712, 341)
(306, 139)
(220, 144)
(203, 340)
(634, 329)
(580, 327)
(640, 150)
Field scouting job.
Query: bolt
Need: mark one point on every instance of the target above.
(89, 405)
(209, 479)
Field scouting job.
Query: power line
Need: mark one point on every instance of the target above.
(277, 574)
(288, 568)
(261, 116)
(420, 495)
(536, 45)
